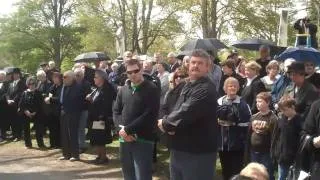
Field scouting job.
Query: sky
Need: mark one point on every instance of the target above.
(6, 6)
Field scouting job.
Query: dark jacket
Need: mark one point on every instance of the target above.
(315, 80)
(138, 109)
(233, 138)
(72, 98)
(263, 63)
(280, 87)
(86, 89)
(305, 96)
(44, 89)
(31, 101)
(312, 31)
(174, 66)
(311, 128)
(171, 99)
(285, 140)
(101, 107)
(194, 118)
(15, 92)
(55, 92)
(250, 92)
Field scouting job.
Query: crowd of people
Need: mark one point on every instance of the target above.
(261, 111)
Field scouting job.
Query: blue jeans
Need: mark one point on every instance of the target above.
(264, 159)
(136, 160)
(188, 166)
(283, 171)
(82, 128)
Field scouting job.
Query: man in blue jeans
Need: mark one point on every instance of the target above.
(192, 126)
(135, 111)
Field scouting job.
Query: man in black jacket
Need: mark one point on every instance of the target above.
(70, 101)
(135, 111)
(192, 126)
(15, 91)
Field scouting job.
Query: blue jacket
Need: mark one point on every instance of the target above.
(280, 87)
(234, 138)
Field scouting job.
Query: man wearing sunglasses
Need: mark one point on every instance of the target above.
(135, 111)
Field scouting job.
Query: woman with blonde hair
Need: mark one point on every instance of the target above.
(273, 69)
(253, 85)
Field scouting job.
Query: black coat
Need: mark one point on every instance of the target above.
(171, 100)
(194, 118)
(44, 89)
(31, 101)
(312, 31)
(55, 106)
(285, 140)
(250, 92)
(15, 92)
(311, 128)
(101, 110)
(138, 109)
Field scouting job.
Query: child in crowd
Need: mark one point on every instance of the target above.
(262, 126)
(285, 141)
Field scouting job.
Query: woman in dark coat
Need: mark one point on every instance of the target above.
(54, 125)
(253, 85)
(29, 108)
(176, 84)
(100, 111)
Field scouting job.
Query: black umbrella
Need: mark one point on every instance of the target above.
(204, 44)
(217, 43)
(252, 44)
(91, 56)
(182, 54)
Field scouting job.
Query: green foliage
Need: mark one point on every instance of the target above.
(66, 64)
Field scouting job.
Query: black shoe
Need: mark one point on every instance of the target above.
(102, 161)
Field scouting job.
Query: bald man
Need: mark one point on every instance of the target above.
(71, 101)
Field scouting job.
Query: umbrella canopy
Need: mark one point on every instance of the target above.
(91, 57)
(252, 44)
(205, 44)
(217, 43)
(182, 54)
(301, 54)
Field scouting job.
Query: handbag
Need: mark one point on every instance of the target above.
(295, 171)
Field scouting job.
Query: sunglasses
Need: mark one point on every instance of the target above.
(133, 71)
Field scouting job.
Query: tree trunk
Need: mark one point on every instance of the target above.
(57, 12)
(204, 18)
(145, 25)
(213, 19)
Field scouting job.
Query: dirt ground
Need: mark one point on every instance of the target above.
(19, 163)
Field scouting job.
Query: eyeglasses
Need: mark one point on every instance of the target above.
(133, 71)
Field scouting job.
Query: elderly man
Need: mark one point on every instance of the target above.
(311, 75)
(192, 126)
(71, 100)
(173, 63)
(136, 110)
(86, 89)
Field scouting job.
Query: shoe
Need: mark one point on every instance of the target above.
(42, 146)
(29, 147)
(63, 158)
(74, 159)
(102, 161)
(16, 139)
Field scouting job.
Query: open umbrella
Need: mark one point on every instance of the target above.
(301, 54)
(217, 43)
(91, 57)
(204, 44)
(252, 44)
(182, 54)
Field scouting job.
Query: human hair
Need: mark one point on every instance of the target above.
(229, 63)
(230, 80)
(265, 96)
(102, 74)
(3, 73)
(171, 54)
(253, 66)
(114, 65)
(255, 171)
(202, 54)
(286, 102)
(31, 80)
(273, 64)
(52, 64)
(69, 73)
(79, 71)
(264, 47)
(127, 53)
(133, 62)
(41, 73)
